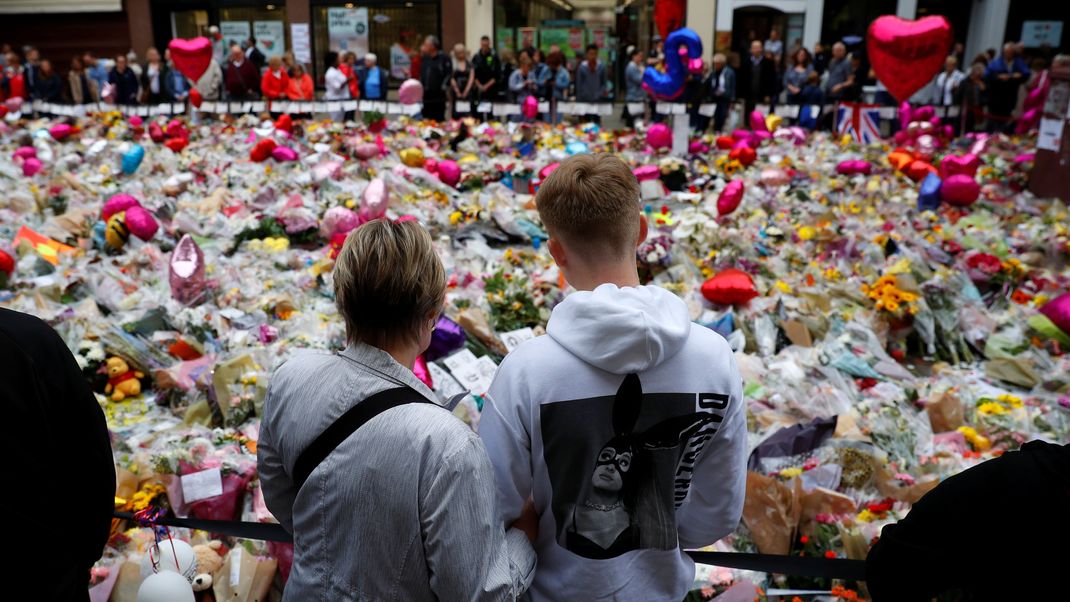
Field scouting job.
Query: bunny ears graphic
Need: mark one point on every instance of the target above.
(669, 433)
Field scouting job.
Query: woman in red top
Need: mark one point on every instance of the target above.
(350, 69)
(275, 81)
(300, 87)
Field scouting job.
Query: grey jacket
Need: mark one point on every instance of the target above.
(210, 85)
(590, 85)
(404, 509)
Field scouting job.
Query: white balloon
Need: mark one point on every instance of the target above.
(165, 559)
(166, 586)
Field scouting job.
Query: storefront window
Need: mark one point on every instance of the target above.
(516, 22)
(391, 30)
(266, 23)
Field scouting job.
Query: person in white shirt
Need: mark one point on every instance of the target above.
(336, 83)
(775, 46)
(947, 82)
(625, 423)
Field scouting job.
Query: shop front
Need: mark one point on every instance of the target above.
(237, 20)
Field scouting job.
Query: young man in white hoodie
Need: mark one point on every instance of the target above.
(625, 423)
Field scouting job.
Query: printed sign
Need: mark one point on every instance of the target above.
(270, 37)
(202, 485)
(234, 32)
(347, 29)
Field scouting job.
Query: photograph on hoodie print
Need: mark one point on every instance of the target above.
(620, 465)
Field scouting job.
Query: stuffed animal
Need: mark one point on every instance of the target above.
(209, 561)
(122, 381)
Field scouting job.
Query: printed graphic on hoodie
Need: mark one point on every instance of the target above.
(620, 465)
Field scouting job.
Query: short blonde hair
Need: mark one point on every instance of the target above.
(388, 282)
(592, 202)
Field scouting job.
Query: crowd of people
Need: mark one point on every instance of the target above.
(989, 91)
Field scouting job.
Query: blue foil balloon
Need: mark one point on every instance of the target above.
(576, 148)
(929, 192)
(132, 159)
(669, 85)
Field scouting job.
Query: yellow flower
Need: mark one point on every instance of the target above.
(866, 516)
(990, 408)
(807, 232)
(975, 439)
(783, 286)
(1011, 400)
(789, 473)
(455, 217)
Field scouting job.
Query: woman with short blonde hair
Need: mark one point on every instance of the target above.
(387, 494)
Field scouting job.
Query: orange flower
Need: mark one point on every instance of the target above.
(1020, 297)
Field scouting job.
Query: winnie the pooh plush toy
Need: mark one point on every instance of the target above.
(122, 381)
(209, 561)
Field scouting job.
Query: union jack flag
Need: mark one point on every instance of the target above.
(861, 121)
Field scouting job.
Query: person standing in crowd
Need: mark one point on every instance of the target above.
(242, 77)
(591, 81)
(50, 411)
(633, 85)
(841, 77)
(402, 505)
(134, 64)
(488, 71)
(5, 49)
(253, 54)
(936, 543)
(275, 80)
(946, 85)
(508, 66)
(722, 90)
(30, 70)
(696, 91)
(175, 85)
(795, 77)
(372, 80)
(775, 46)
(626, 422)
(435, 68)
(559, 81)
(810, 100)
(349, 68)
(1004, 75)
(522, 81)
(974, 96)
(301, 86)
(462, 81)
(49, 83)
(83, 88)
(14, 82)
(401, 58)
(96, 69)
(542, 74)
(821, 58)
(153, 78)
(757, 78)
(656, 56)
(210, 84)
(336, 82)
(124, 82)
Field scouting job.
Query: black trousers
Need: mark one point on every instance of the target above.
(434, 106)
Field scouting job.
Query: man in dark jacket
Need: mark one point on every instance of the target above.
(757, 78)
(58, 448)
(125, 82)
(435, 70)
(253, 54)
(488, 70)
(241, 78)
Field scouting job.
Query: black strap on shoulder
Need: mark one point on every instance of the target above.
(347, 424)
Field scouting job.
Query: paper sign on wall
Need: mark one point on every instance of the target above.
(234, 32)
(1050, 136)
(301, 41)
(270, 37)
(347, 29)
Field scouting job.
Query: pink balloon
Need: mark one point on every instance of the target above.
(449, 172)
(338, 220)
(853, 166)
(284, 153)
(774, 177)
(925, 113)
(530, 107)
(366, 150)
(410, 92)
(24, 152)
(757, 121)
(136, 121)
(1025, 158)
(905, 55)
(191, 57)
(141, 223)
(374, 201)
(794, 133)
(697, 147)
(1058, 311)
(116, 203)
(31, 166)
(742, 143)
(730, 198)
(760, 136)
(1029, 120)
(646, 172)
(549, 169)
(901, 137)
(659, 136)
(431, 165)
(960, 190)
(60, 131)
(741, 134)
(959, 164)
(905, 114)
(948, 131)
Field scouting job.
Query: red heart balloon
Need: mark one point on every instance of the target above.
(262, 150)
(195, 98)
(191, 57)
(725, 142)
(729, 287)
(918, 170)
(176, 144)
(744, 154)
(907, 54)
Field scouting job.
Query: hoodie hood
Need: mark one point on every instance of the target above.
(621, 330)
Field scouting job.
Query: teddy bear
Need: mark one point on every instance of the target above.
(122, 381)
(209, 561)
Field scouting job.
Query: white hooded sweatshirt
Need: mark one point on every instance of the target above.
(626, 426)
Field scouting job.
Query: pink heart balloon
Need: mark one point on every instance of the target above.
(960, 190)
(906, 55)
(60, 131)
(645, 172)
(374, 201)
(141, 223)
(531, 107)
(410, 92)
(959, 164)
(730, 198)
(449, 173)
(757, 122)
(191, 57)
(366, 150)
(338, 220)
(659, 136)
(1058, 311)
(283, 153)
(116, 203)
(24, 152)
(31, 166)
